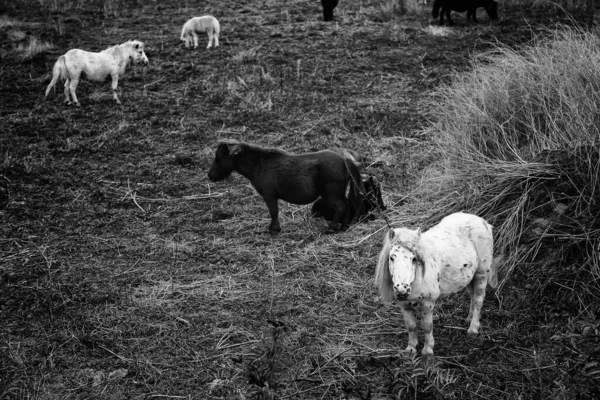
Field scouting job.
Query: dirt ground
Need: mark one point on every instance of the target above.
(126, 274)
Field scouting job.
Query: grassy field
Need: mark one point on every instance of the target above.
(126, 274)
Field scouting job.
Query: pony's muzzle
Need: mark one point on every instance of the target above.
(402, 291)
(401, 296)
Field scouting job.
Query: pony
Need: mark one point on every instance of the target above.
(470, 6)
(96, 67)
(418, 268)
(294, 178)
(193, 26)
(372, 203)
(372, 200)
(328, 6)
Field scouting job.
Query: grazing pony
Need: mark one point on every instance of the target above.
(96, 67)
(372, 201)
(371, 204)
(295, 178)
(470, 6)
(417, 269)
(328, 6)
(193, 26)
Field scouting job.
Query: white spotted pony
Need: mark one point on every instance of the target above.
(193, 26)
(96, 67)
(418, 268)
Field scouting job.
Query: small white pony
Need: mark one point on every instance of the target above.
(417, 269)
(193, 26)
(96, 66)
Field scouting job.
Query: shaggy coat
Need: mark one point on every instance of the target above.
(206, 23)
(418, 268)
(95, 67)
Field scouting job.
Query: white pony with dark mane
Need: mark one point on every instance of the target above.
(418, 268)
(96, 67)
(193, 26)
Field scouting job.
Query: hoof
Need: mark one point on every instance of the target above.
(427, 352)
(472, 333)
(408, 352)
(274, 230)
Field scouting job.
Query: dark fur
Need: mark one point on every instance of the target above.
(295, 178)
(372, 202)
(328, 6)
(470, 6)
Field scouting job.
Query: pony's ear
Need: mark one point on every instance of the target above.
(231, 148)
(235, 149)
(391, 233)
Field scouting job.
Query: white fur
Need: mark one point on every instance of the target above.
(193, 26)
(417, 269)
(96, 66)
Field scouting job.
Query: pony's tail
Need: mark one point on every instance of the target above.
(383, 279)
(493, 276)
(435, 11)
(357, 194)
(216, 27)
(59, 71)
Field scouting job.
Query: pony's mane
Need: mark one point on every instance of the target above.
(411, 240)
(235, 147)
(127, 43)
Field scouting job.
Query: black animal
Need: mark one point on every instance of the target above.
(470, 6)
(328, 6)
(295, 178)
(371, 203)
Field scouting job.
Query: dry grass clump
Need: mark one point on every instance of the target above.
(518, 144)
(33, 48)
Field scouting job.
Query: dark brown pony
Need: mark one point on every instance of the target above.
(372, 201)
(295, 178)
(328, 6)
(470, 6)
(371, 204)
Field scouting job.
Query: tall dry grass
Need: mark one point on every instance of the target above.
(517, 142)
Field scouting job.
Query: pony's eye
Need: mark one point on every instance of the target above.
(392, 257)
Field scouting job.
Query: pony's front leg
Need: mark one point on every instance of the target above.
(410, 321)
(113, 86)
(479, 284)
(274, 212)
(195, 37)
(427, 326)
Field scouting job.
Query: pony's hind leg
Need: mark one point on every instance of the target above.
(67, 99)
(72, 88)
(339, 205)
(470, 290)
(479, 284)
(215, 39)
